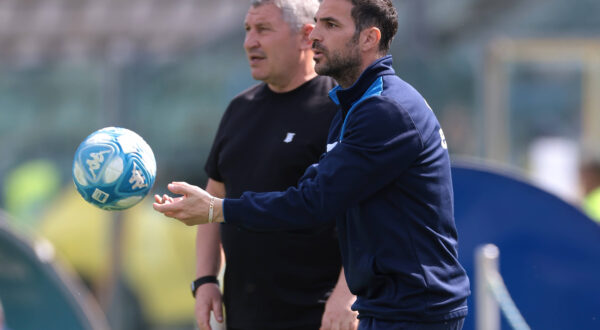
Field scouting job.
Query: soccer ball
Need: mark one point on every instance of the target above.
(114, 168)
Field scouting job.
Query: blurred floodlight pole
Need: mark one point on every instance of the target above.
(120, 53)
(487, 310)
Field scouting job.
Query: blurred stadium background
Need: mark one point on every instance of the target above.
(514, 82)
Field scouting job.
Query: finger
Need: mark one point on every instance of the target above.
(205, 322)
(158, 199)
(336, 325)
(167, 199)
(218, 310)
(165, 208)
(204, 325)
(347, 325)
(353, 324)
(180, 188)
(156, 207)
(182, 183)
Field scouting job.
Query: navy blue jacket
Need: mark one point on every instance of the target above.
(386, 181)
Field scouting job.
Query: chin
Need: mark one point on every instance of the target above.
(258, 75)
(321, 70)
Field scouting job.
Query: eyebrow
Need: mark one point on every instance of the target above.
(258, 25)
(327, 19)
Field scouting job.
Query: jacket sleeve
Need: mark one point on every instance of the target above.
(380, 142)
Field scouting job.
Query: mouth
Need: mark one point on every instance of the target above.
(255, 59)
(317, 54)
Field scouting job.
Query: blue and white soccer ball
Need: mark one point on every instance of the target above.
(114, 168)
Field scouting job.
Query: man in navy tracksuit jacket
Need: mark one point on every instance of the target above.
(385, 179)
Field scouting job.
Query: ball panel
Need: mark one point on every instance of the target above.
(147, 158)
(113, 170)
(128, 202)
(129, 143)
(135, 178)
(100, 136)
(79, 175)
(94, 157)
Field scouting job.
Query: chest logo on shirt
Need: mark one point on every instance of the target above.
(289, 137)
(331, 146)
(444, 144)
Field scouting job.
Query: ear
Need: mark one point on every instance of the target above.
(369, 39)
(305, 31)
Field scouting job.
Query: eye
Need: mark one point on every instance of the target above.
(330, 24)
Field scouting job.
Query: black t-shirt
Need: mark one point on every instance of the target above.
(265, 142)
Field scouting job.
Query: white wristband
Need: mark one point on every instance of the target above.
(211, 208)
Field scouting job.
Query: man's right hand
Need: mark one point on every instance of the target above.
(208, 298)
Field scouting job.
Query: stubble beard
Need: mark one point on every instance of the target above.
(344, 68)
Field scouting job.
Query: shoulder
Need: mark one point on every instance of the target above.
(383, 112)
(400, 107)
(249, 94)
(398, 90)
(397, 109)
(380, 121)
(400, 98)
(244, 99)
(393, 99)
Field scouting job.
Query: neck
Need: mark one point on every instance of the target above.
(301, 73)
(293, 83)
(351, 76)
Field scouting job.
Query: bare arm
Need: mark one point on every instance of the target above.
(208, 238)
(208, 262)
(338, 314)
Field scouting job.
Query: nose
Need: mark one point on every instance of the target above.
(315, 34)
(250, 41)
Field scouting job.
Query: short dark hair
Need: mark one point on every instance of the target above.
(378, 13)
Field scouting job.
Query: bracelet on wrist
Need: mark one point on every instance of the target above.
(211, 208)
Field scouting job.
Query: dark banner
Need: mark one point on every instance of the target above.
(549, 250)
(35, 293)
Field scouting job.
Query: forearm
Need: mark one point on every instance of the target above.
(208, 250)
(341, 288)
(338, 309)
(273, 211)
(208, 239)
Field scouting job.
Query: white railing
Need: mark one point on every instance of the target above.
(491, 294)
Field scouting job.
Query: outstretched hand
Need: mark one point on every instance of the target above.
(192, 207)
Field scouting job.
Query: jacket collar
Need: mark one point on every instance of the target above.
(345, 98)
